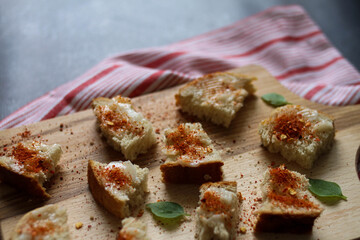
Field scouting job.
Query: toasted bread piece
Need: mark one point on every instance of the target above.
(215, 97)
(133, 229)
(28, 166)
(298, 133)
(218, 214)
(119, 187)
(125, 129)
(191, 157)
(287, 205)
(47, 223)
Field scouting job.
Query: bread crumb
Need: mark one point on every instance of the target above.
(78, 225)
(228, 150)
(242, 230)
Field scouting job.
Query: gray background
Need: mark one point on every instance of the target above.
(44, 44)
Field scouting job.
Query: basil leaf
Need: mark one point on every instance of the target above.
(325, 189)
(167, 210)
(274, 99)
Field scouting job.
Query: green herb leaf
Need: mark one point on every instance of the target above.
(325, 189)
(274, 99)
(169, 210)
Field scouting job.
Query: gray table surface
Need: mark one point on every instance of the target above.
(44, 44)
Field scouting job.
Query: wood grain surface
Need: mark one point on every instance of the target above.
(245, 161)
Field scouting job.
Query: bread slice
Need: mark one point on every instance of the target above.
(119, 187)
(48, 222)
(218, 214)
(287, 204)
(28, 166)
(298, 133)
(191, 157)
(215, 97)
(133, 229)
(125, 129)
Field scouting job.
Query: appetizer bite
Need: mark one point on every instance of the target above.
(28, 166)
(133, 229)
(215, 97)
(298, 133)
(191, 157)
(286, 205)
(120, 187)
(125, 129)
(48, 222)
(218, 214)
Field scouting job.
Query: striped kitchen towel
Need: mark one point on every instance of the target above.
(282, 39)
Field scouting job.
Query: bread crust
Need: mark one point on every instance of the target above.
(60, 231)
(101, 196)
(139, 142)
(298, 133)
(31, 178)
(247, 84)
(280, 214)
(191, 156)
(23, 182)
(290, 223)
(215, 97)
(174, 172)
(219, 221)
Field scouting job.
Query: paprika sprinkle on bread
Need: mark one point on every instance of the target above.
(119, 187)
(215, 97)
(125, 129)
(287, 204)
(218, 214)
(29, 166)
(191, 157)
(298, 133)
(48, 222)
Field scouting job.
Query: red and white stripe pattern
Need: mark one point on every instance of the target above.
(282, 39)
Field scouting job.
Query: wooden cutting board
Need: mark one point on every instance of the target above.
(245, 162)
